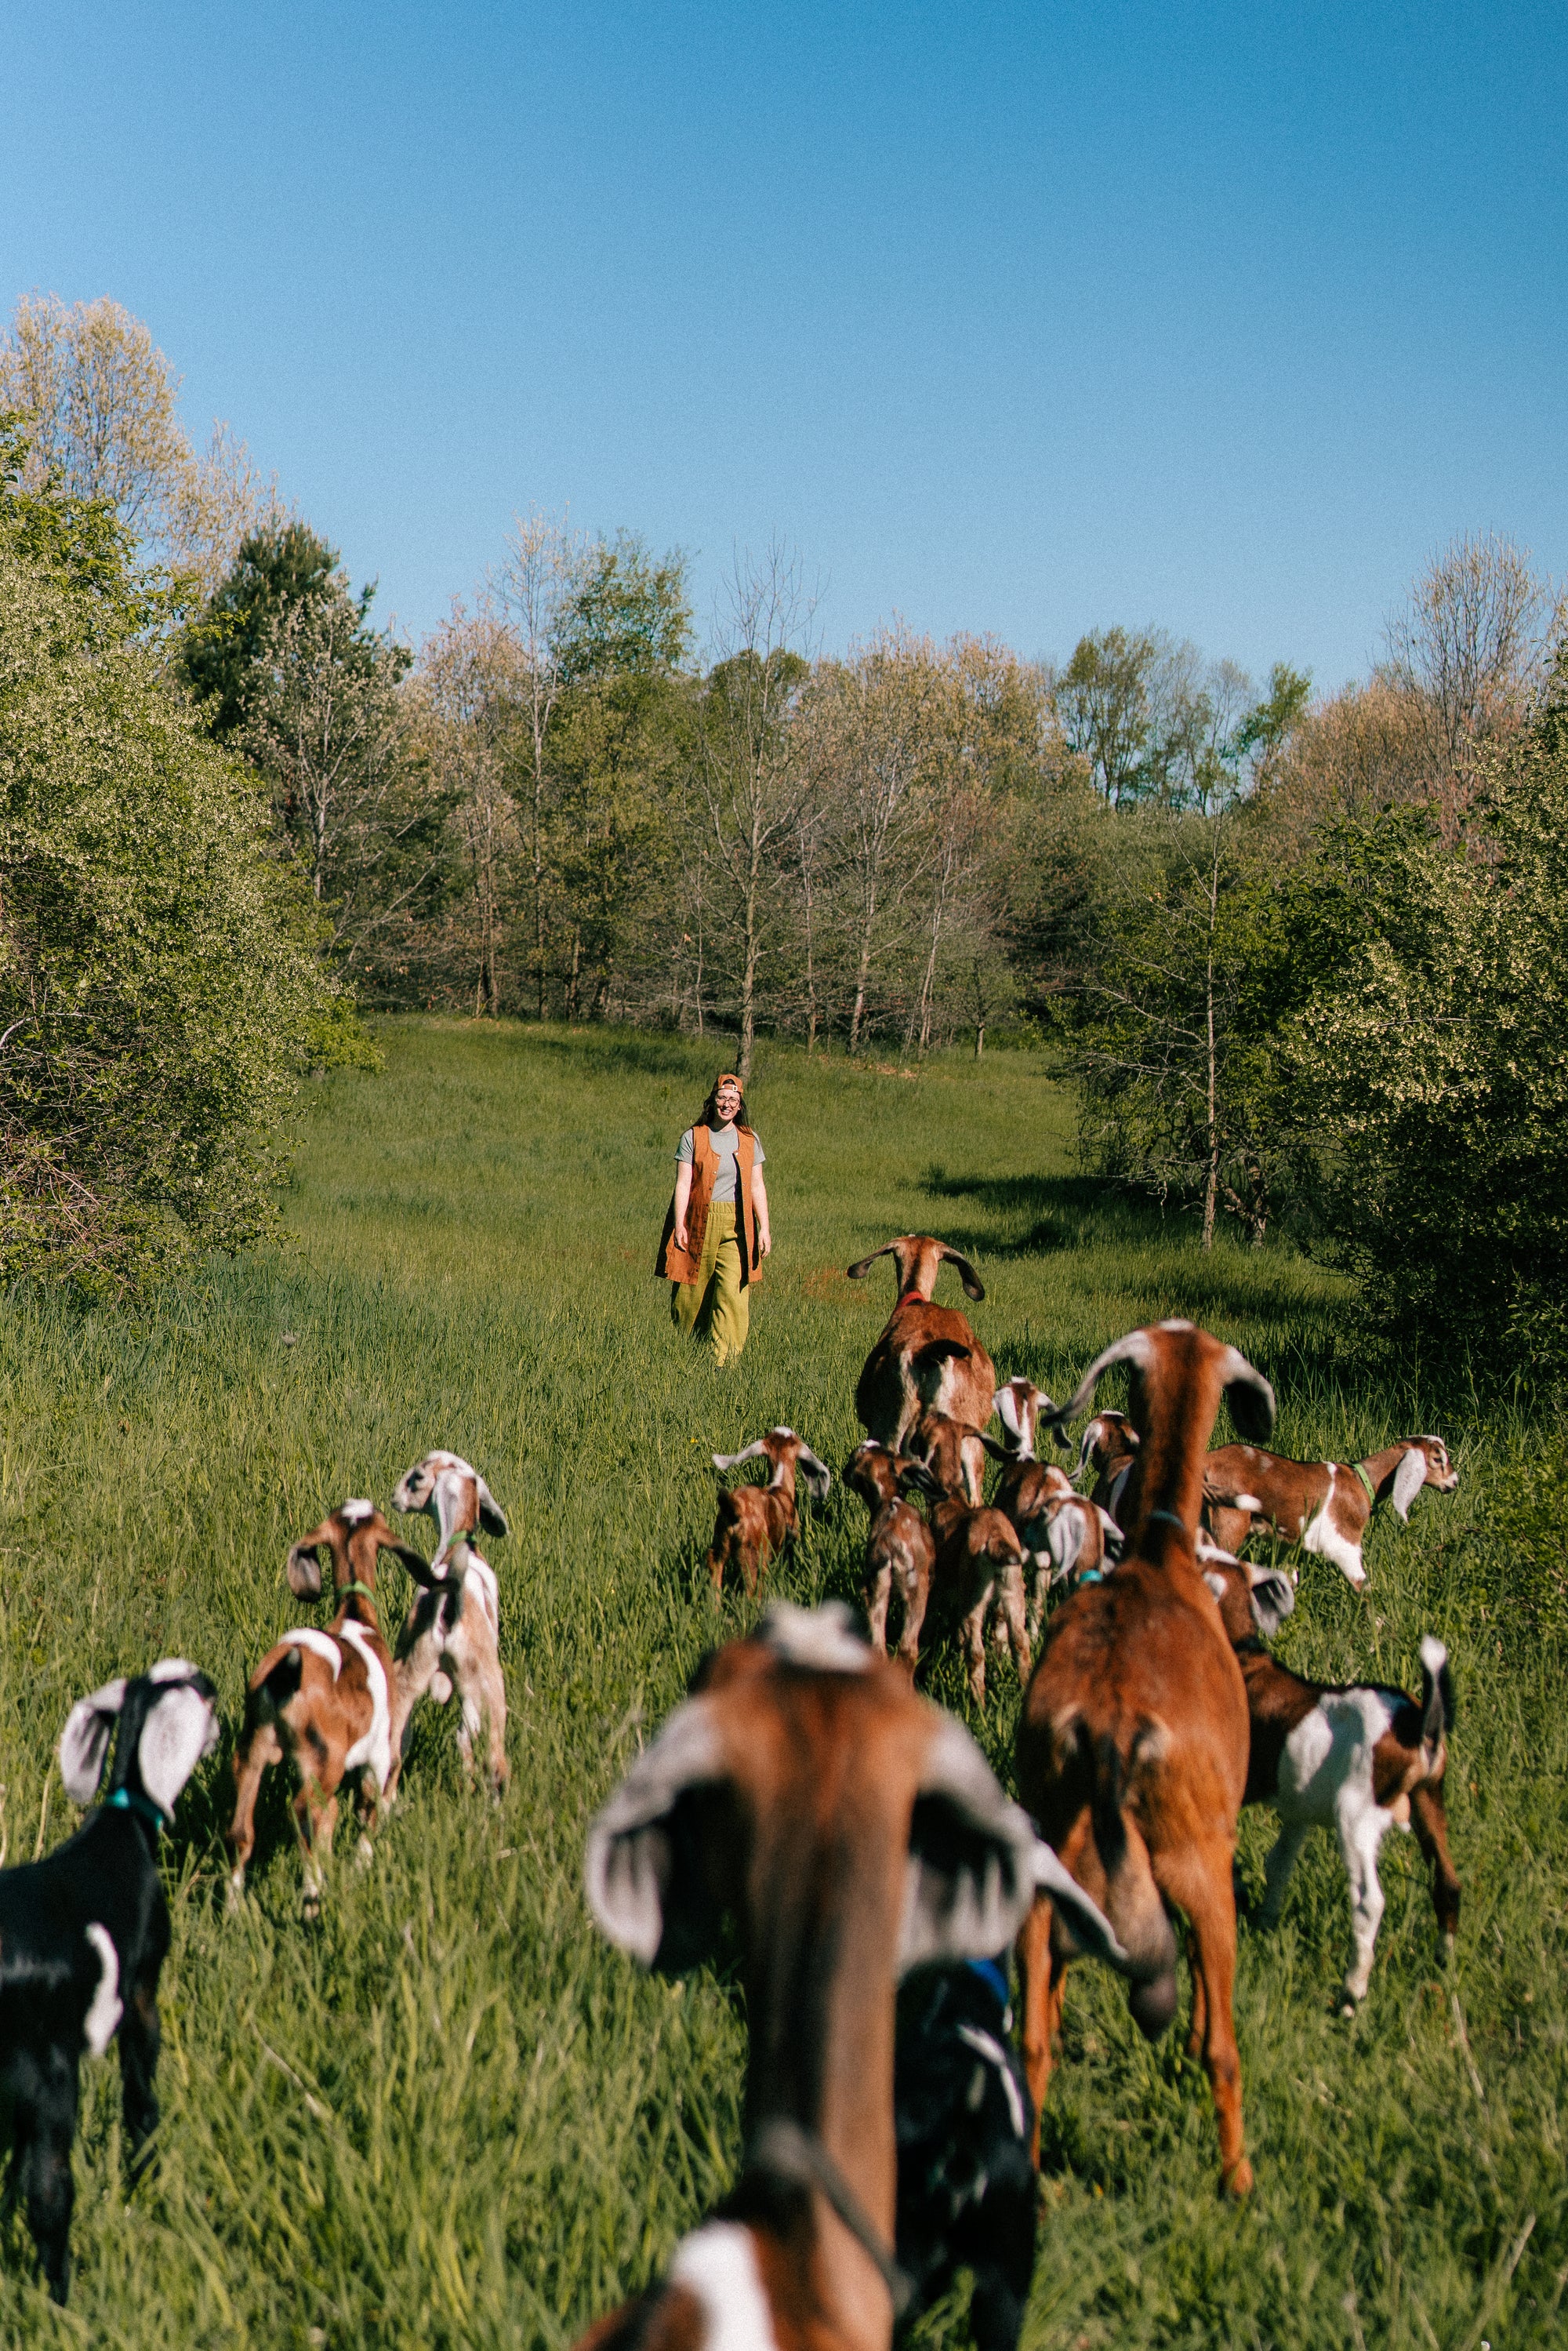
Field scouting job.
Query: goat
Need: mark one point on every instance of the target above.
(1359, 1759)
(899, 1553)
(1109, 1447)
(754, 1522)
(84, 1934)
(979, 1570)
(955, 1453)
(1322, 1505)
(320, 1699)
(1132, 1745)
(855, 1832)
(928, 1355)
(451, 1638)
(1061, 1535)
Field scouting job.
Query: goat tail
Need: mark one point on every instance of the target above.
(1133, 1901)
(1437, 1694)
(265, 1699)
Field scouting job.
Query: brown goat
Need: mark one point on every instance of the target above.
(1109, 1447)
(928, 1356)
(1322, 1505)
(754, 1522)
(1134, 1742)
(899, 1553)
(1061, 1535)
(321, 1699)
(854, 1832)
(1358, 1759)
(955, 1453)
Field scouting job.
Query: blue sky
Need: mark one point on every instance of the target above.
(1016, 318)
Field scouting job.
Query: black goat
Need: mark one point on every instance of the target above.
(84, 1934)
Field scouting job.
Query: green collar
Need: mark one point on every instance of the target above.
(1371, 1488)
(364, 1590)
(127, 1800)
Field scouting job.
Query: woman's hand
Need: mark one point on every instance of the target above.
(681, 1234)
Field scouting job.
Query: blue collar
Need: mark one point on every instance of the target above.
(990, 1973)
(1090, 1575)
(129, 1800)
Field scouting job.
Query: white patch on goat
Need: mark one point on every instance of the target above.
(993, 2053)
(480, 1580)
(1330, 1751)
(171, 1669)
(375, 1746)
(354, 1513)
(1325, 1540)
(822, 1639)
(320, 1645)
(718, 2265)
(106, 2010)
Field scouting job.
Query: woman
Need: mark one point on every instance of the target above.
(716, 1232)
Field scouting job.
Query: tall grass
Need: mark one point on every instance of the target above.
(449, 2116)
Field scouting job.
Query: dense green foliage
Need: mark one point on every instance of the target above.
(159, 988)
(223, 652)
(451, 2116)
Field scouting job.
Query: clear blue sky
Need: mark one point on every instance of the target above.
(1021, 319)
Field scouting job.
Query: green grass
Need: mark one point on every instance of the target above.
(451, 2114)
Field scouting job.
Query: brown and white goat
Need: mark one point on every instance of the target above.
(955, 1453)
(1322, 1505)
(979, 1570)
(927, 1357)
(854, 1832)
(322, 1700)
(1109, 1447)
(1061, 1535)
(1134, 1742)
(754, 1522)
(451, 1639)
(1360, 1760)
(900, 1552)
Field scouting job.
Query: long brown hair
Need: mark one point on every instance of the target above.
(708, 1115)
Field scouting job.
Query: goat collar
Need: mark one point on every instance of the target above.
(1172, 1519)
(990, 1973)
(343, 1590)
(798, 2156)
(454, 1543)
(1091, 1575)
(131, 1800)
(914, 1291)
(1360, 1468)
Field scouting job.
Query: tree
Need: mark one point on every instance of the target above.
(1474, 644)
(280, 564)
(1104, 700)
(158, 987)
(100, 402)
(473, 687)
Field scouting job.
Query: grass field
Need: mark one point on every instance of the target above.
(450, 2116)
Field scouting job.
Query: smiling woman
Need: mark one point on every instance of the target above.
(716, 1230)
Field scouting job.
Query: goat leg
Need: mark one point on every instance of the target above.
(1201, 1888)
(1429, 1820)
(875, 1594)
(263, 1748)
(916, 1599)
(1037, 2006)
(140, 2041)
(47, 2087)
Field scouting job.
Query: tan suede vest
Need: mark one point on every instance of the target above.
(684, 1265)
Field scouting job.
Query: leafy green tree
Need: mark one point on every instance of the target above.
(278, 566)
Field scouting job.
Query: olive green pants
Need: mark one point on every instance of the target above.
(716, 1306)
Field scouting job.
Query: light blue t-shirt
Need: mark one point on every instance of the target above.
(725, 1140)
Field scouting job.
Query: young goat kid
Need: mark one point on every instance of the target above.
(1322, 1505)
(85, 1932)
(1109, 1447)
(979, 1570)
(451, 1639)
(900, 1554)
(1359, 1760)
(1061, 1535)
(855, 1832)
(322, 1700)
(754, 1522)
(927, 1357)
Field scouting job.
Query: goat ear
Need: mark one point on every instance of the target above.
(1115, 1541)
(972, 1286)
(971, 1874)
(492, 1518)
(998, 1452)
(733, 1460)
(643, 1870)
(1250, 1396)
(405, 1553)
(1272, 1598)
(303, 1568)
(1135, 1348)
(858, 1273)
(180, 1728)
(1084, 1919)
(1064, 1539)
(1408, 1480)
(816, 1474)
(917, 1474)
(84, 1742)
(1007, 1413)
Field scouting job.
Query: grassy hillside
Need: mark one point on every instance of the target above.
(451, 2115)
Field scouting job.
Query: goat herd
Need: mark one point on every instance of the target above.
(854, 1832)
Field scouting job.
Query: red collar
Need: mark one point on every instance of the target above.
(905, 1295)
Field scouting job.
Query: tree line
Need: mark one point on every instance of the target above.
(1299, 953)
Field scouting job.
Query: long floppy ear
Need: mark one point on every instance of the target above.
(406, 1556)
(1084, 1919)
(916, 1473)
(84, 1742)
(1116, 1540)
(998, 1452)
(816, 1474)
(1007, 1413)
(1408, 1480)
(1135, 1348)
(1272, 1598)
(492, 1518)
(303, 1565)
(1065, 1533)
(643, 1871)
(971, 1874)
(179, 1729)
(972, 1286)
(733, 1460)
(1250, 1396)
(858, 1273)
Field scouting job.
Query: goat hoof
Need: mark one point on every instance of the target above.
(1446, 1951)
(311, 1910)
(364, 1853)
(1238, 2181)
(1348, 2003)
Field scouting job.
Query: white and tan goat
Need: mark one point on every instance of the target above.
(451, 1639)
(1322, 1505)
